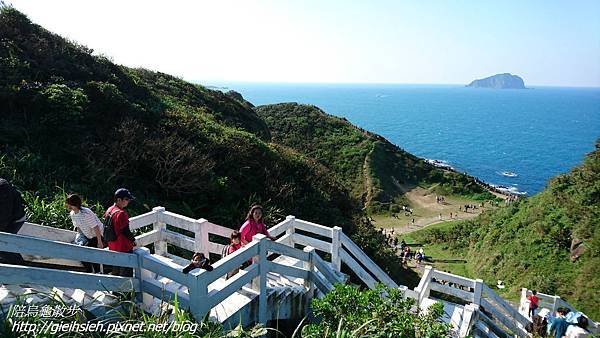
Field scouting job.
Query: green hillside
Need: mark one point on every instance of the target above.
(72, 121)
(376, 171)
(75, 120)
(549, 242)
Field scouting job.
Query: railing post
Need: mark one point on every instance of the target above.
(555, 304)
(469, 319)
(160, 246)
(260, 283)
(198, 294)
(291, 229)
(310, 266)
(477, 291)
(523, 308)
(425, 284)
(142, 274)
(336, 245)
(201, 237)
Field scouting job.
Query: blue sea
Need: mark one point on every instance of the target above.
(536, 133)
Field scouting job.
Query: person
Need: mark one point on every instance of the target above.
(125, 240)
(407, 255)
(421, 255)
(12, 217)
(558, 324)
(537, 326)
(88, 226)
(234, 245)
(199, 261)
(578, 330)
(254, 225)
(533, 303)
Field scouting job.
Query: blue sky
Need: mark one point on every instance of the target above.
(554, 43)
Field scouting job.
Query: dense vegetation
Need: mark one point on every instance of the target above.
(381, 312)
(549, 242)
(73, 121)
(374, 170)
(78, 121)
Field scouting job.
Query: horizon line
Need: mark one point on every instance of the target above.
(208, 83)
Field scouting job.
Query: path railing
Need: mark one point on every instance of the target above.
(489, 307)
(334, 242)
(202, 291)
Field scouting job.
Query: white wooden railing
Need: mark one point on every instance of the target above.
(317, 273)
(481, 299)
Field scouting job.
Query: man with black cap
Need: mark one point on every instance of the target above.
(125, 241)
(12, 217)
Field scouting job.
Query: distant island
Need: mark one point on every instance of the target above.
(499, 81)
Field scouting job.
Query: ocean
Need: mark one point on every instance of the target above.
(536, 133)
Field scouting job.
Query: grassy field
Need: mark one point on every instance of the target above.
(438, 255)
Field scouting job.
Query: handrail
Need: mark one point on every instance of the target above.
(488, 322)
(315, 270)
(143, 220)
(18, 274)
(281, 227)
(514, 313)
(227, 264)
(367, 261)
(313, 227)
(510, 323)
(456, 279)
(43, 247)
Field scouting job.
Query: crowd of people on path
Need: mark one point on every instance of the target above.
(562, 324)
(113, 232)
(405, 251)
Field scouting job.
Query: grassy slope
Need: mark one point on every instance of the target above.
(75, 120)
(530, 243)
(375, 170)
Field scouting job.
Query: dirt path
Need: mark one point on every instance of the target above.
(427, 211)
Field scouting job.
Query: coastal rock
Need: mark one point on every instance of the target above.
(499, 81)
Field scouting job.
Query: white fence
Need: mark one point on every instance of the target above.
(315, 271)
(484, 309)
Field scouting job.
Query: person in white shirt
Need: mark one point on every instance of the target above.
(89, 226)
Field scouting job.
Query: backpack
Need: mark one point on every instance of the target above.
(225, 251)
(109, 234)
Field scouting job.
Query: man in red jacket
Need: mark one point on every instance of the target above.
(120, 221)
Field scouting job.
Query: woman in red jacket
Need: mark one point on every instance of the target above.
(254, 225)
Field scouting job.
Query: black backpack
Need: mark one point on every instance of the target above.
(109, 234)
(225, 251)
